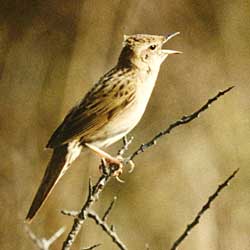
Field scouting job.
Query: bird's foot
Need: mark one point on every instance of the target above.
(115, 163)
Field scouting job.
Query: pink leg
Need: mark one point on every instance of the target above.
(109, 159)
(103, 154)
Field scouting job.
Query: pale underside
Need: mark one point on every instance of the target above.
(109, 111)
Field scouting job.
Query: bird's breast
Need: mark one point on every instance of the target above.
(131, 115)
(144, 89)
(128, 118)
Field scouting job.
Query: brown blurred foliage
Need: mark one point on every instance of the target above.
(52, 51)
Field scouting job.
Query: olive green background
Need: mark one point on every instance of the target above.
(51, 52)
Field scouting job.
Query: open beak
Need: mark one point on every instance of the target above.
(169, 36)
(168, 51)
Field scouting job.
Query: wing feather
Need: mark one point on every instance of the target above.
(102, 103)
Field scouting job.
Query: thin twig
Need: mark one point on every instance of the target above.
(56, 235)
(126, 143)
(44, 244)
(182, 121)
(106, 214)
(108, 171)
(110, 231)
(93, 194)
(91, 247)
(70, 213)
(100, 221)
(202, 211)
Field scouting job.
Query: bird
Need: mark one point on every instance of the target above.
(108, 112)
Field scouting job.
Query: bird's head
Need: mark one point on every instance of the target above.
(145, 51)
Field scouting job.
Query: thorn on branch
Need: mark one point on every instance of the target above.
(92, 197)
(112, 228)
(106, 214)
(125, 140)
(91, 247)
(108, 230)
(204, 208)
(108, 171)
(185, 119)
(90, 188)
(70, 213)
(126, 143)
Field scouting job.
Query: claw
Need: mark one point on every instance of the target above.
(109, 160)
(119, 180)
(118, 172)
(131, 166)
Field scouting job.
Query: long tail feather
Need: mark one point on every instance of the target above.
(60, 161)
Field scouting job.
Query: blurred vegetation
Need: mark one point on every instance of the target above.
(52, 51)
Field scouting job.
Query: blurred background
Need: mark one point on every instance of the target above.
(51, 53)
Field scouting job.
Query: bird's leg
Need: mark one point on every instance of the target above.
(105, 155)
(109, 160)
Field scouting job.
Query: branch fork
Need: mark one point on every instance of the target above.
(108, 171)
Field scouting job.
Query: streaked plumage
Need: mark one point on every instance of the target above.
(110, 110)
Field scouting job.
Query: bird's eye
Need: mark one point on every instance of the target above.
(152, 47)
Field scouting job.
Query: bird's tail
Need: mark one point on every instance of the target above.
(60, 161)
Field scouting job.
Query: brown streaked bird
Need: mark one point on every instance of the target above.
(109, 111)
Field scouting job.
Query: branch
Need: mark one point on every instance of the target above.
(182, 121)
(106, 214)
(205, 207)
(101, 222)
(109, 230)
(91, 247)
(82, 216)
(44, 244)
(109, 170)
(126, 143)
(93, 195)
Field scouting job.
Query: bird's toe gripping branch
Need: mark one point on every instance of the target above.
(111, 165)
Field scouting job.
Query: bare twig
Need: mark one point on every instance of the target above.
(126, 143)
(202, 211)
(106, 214)
(44, 244)
(108, 172)
(91, 247)
(101, 222)
(70, 213)
(182, 121)
(109, 230)
(93, 194)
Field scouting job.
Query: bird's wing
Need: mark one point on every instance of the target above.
(100, 105)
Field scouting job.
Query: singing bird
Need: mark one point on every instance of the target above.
(109, 111)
